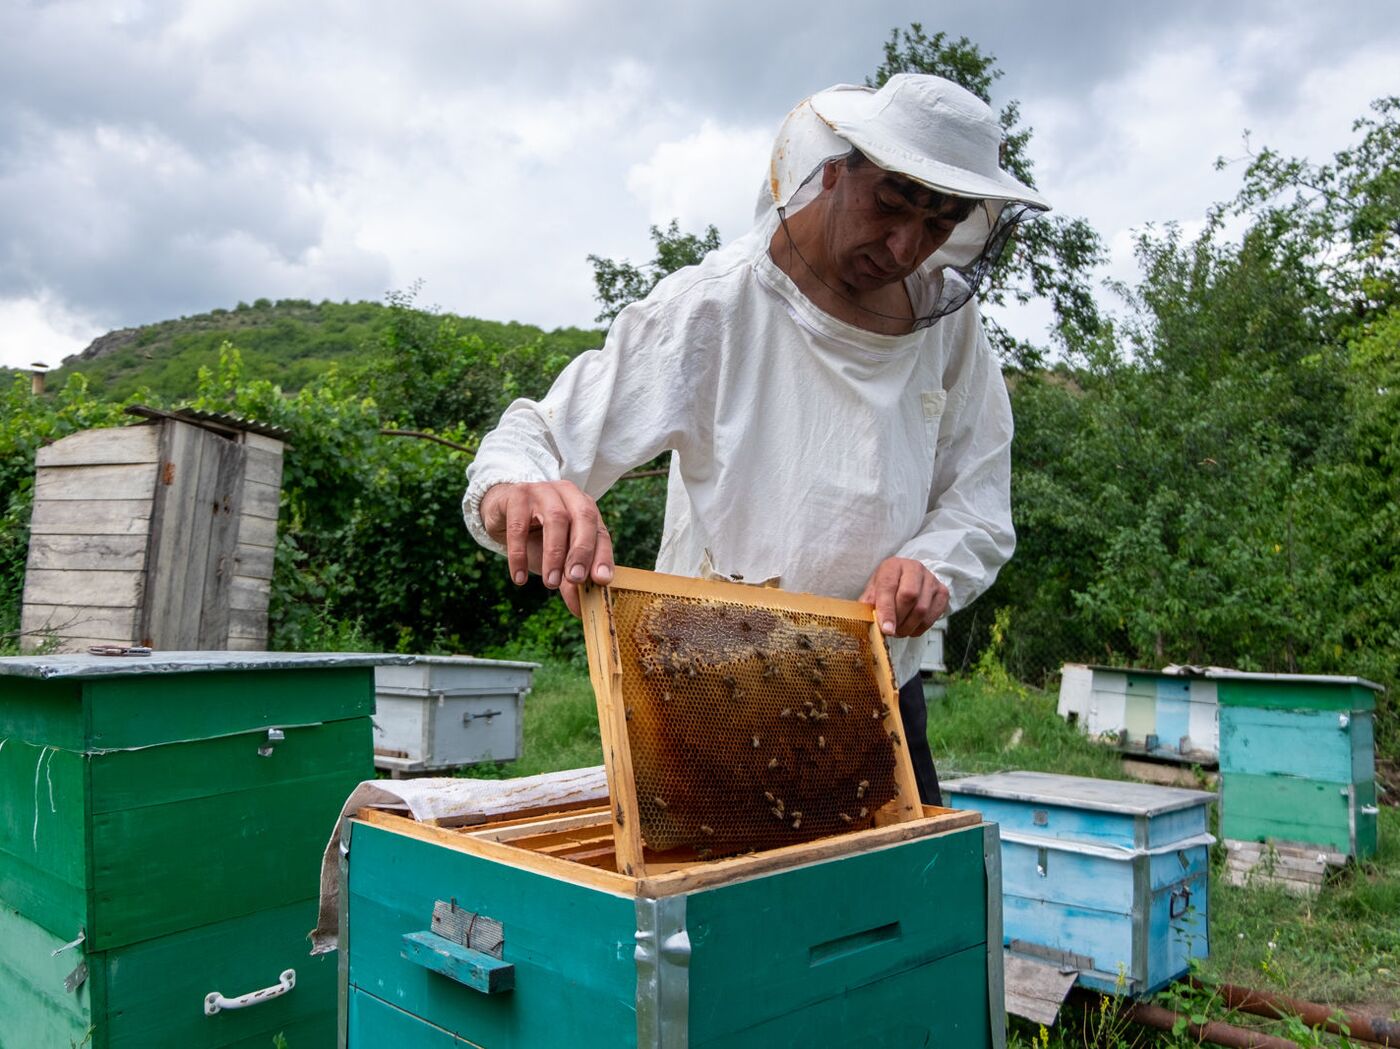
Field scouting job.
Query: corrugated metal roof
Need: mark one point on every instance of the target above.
(210, 420)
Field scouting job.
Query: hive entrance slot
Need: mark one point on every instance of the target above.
(738, 719)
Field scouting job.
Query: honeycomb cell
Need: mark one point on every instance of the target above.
(750, 727)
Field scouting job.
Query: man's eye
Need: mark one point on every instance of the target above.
(886, 207)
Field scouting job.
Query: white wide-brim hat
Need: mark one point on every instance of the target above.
(923, 127)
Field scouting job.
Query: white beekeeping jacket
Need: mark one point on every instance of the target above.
(805, 449)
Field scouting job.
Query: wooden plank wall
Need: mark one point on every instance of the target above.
(85, 578)
(257, 542)
(193, 523)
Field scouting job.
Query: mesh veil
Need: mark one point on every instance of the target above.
(953, 274)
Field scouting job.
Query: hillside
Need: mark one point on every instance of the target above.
(289, 342)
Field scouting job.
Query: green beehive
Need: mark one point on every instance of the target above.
(161, 827)
(527, 937)
(1297, 760)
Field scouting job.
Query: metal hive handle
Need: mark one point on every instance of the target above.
(214, 1002)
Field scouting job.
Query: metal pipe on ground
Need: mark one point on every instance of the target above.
(1212, 1031)
(1262, 1003)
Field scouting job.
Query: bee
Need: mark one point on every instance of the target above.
(786, 712)
(707, 830)
(729, 681)
(894, 738)
(769, 795)
(660, 803)
(821, 742)
(801, 716)
(776, 811)
(796, 824)
(704, 854)
(756, 742)
(665, 697)
(628, 713)
(816, 675)
(875, 714)
(844, 818)
(861, 788)
(770, 671)
(864, 812)
(803, 641)
(772, 763)
(845, 707)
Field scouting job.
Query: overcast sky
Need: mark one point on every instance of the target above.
(168, 157)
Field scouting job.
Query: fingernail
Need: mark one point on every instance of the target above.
(605, 573)
(519, 578)
(576, 573)
(887, 627)
(553, 581)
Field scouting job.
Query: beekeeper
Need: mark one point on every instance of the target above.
(836, 417)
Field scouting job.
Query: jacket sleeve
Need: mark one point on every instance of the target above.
(607, 412)
(967, 535)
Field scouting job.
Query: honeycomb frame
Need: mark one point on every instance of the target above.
(697, 678)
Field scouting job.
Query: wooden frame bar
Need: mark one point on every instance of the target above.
(524, 845)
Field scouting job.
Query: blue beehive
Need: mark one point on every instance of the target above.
(1098, 875)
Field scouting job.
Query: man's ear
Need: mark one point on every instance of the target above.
(831, 172)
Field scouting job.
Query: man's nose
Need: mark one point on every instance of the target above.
(905, 242)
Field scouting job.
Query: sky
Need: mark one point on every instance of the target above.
(161, 158)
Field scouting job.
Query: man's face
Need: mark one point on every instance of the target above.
(880, 227)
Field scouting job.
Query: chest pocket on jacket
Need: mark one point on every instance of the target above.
(934, 403)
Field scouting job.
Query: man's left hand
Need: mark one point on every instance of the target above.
(908, 598)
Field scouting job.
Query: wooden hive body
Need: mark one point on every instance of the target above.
(1170, 717)
(147, 812)
(1099, 874)
(875, 938)
(443, 712)
(160, 534)
(1297, 761)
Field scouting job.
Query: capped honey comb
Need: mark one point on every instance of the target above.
(748, 724)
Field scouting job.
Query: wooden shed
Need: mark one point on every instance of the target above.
(160, 534)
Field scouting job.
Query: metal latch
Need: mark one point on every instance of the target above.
(1183, 895)
(467, 719)
(274, 735)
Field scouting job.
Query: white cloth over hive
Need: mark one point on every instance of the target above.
(805, 448)
(446, 798)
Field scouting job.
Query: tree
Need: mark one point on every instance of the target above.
(1345, 214)
(619, 283)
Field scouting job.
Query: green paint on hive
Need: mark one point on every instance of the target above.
(773, 944)
(1295, 695)
(572, 946)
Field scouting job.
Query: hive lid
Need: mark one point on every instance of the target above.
(86, 665)
(1187, 670)
(1080, 792)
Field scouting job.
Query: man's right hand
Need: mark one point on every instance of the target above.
(553, 529)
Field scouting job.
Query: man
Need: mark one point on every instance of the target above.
(837, 420)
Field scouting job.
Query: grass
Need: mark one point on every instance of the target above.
(1341, 948)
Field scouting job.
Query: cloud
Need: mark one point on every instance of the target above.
(711, 176)
(164, 157)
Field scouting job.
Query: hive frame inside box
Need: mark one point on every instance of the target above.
(606, 671)
(578, 846)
